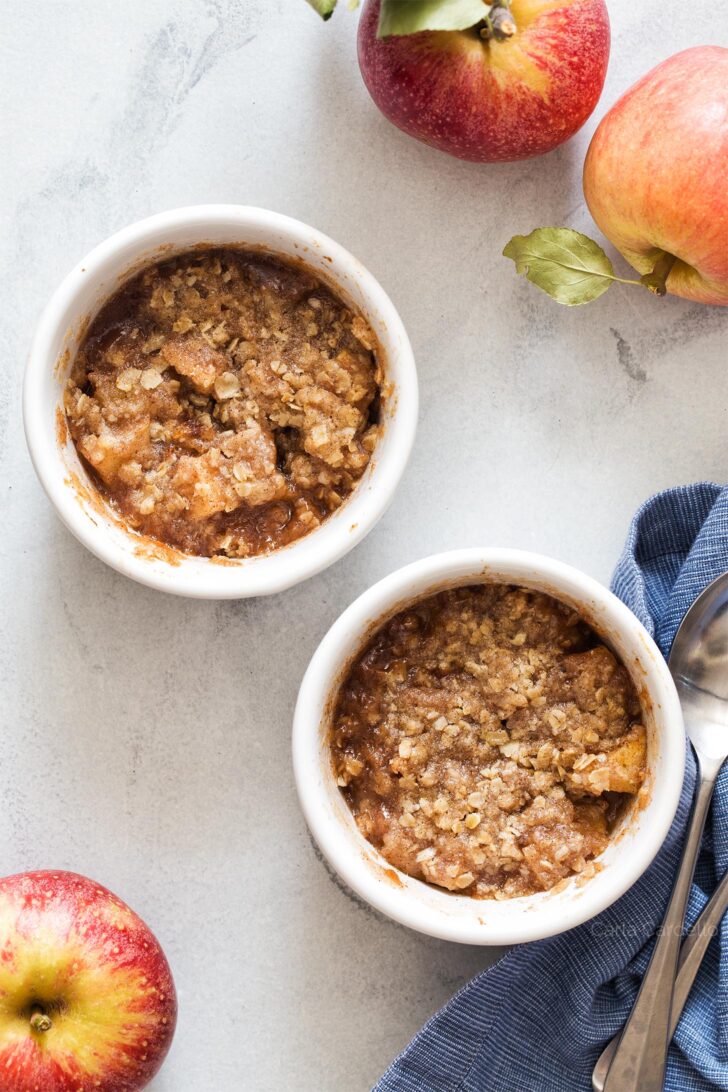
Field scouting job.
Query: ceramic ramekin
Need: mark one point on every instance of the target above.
(458, 917)
(75, 304)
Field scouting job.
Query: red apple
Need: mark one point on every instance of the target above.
(656, 174)
(87, 1000)
(490, 100)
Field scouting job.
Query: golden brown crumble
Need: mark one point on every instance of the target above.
(225, 402)
(486, 741)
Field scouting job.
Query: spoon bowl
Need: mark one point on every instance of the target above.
(698, 664)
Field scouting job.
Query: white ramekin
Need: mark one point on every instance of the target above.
(457, 917)
(75, 304)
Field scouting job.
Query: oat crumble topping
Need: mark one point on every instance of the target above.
(486, 741)
(225, 402)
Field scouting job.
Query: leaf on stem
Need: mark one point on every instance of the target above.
(411, 16)
(569, 266)
(325, 8)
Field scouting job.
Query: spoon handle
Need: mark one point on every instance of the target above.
(695, 946)
(641, 1056)
(692, 952)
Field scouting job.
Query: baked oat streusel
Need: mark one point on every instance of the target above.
(486, 740)
(225, 402)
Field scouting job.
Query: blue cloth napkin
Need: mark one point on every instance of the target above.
(538, 1020)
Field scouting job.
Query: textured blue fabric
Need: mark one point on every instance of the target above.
(538, 1019)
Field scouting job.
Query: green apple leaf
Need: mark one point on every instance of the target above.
(569, 266)
(325, 8)
(411, 16)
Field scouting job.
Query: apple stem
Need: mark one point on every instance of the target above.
(499, 24)
(40, 1021)
(656, 281)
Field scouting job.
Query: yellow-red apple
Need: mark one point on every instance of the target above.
(486, 99)
(656, 174)
(87, 1001)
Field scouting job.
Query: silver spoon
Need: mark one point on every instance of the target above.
(699, 666)
(693, 949)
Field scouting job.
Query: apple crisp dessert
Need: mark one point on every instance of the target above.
(225, 402)
(486, 740)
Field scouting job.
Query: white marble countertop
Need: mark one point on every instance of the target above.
(146, 738)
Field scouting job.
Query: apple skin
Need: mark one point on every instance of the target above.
(70, 947)
(656, 173)
(492, 101)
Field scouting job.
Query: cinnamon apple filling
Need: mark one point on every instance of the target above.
(487, 740)
(225, 402)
